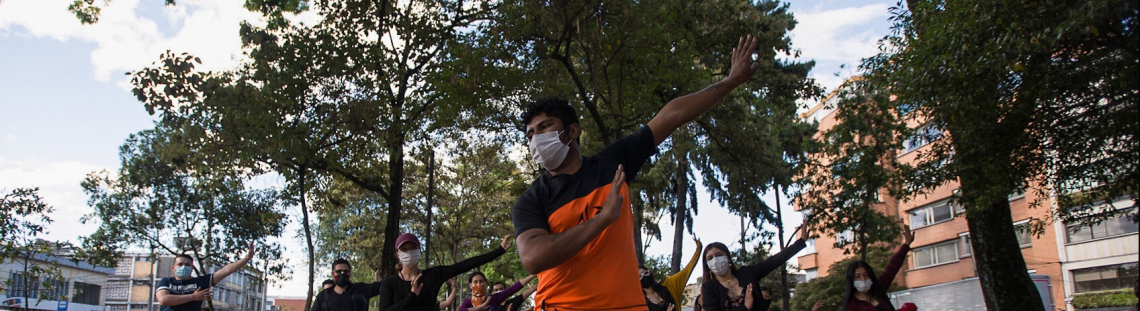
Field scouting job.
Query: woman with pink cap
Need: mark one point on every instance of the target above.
(415, 289)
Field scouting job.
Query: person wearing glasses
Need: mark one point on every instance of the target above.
(345, 295)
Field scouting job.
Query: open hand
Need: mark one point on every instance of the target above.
(416, 285)
(804, 232)
(201, 294)
(742, 64)
(748, 297)
(252, 250)
(817, 305)
(506, 244)
(611, 210)
(908, 236)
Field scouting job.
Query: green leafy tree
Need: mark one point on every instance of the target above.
(853, 165)
(24, 221)
(155, 201)
(1026, 93)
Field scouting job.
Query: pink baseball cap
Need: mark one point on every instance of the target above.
(405, 238)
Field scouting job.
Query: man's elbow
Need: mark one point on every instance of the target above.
(531, 264)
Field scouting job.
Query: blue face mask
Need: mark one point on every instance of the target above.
(183, 272)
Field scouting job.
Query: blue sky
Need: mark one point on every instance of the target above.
(66, 106)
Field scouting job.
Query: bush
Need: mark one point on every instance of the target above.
(1105, 299)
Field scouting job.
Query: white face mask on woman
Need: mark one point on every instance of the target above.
(547, 149)
(409, 258)
(719, 265)
(862, 286)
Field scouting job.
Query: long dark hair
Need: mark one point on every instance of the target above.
(708, 275)
(877, 291)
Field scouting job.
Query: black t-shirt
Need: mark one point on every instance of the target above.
(354, 298)
(175, 286)
(396, 293)
(716, 296)
(548, 193)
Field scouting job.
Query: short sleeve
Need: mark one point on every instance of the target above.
(631, 151)
(529, 212)
(163, 284)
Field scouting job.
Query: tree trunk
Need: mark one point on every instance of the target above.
(395, 196)
(783, 244)
(308, 240)
(638, 209)
(679, 211)
(430, 195)
(998, 261)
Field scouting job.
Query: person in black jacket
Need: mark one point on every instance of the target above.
(415, 289)
(345, 295)
(727, 287)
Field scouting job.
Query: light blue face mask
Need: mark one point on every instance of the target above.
(183, 272)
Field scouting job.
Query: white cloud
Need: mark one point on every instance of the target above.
(59, 186)
(126, 41)
(842, 36)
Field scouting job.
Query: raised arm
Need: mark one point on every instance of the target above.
(474, 262)
(897, 260)
(681, 277)
(762, 268)
(539, 250)
(222, 273)
(451, 296)
(687, 108)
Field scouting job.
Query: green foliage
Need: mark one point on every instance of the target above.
(854, 164)
(832, 288)
(156, 202)
(1025, 93)
(1116, 298)
(23, 221)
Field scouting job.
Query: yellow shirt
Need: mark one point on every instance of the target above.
(676, 283)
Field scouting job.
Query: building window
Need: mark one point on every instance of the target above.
(56, 290)
(810, 248)
(811, 274)
(1120, 276)
(923, 135)
(965, 249)
(937, 254)
(845, 237)
(1024, 238)
(1119, 225)
(933, 213)
(86, 294)
(1017, 194)
(16, 286)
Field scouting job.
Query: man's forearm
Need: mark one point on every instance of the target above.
(229, 269)
(544, 251)
(171, 300)
(687, 108)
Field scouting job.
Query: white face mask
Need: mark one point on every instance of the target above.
(862, 286)
(719, 265)
(409, 258)
(547, 149)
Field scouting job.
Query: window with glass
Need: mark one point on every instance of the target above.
(1122, 276)
(965, 249)
(933, 213)
(923, 135)
(811, 274)
(1119, 225)
(937, 254)
(1024, 238)
(86, 293)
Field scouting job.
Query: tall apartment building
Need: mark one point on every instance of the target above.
(81, 287)
(1066, 260)
(131, 287)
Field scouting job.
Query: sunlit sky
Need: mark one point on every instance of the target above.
(66, 106)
